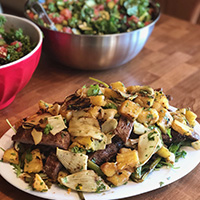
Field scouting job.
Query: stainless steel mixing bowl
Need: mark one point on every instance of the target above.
(97, 52)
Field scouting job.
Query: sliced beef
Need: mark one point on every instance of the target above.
(61, 139)
(52, 166)
(177, 137)
(107, 154)
(124, 129)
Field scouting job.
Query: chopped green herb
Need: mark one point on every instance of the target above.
(169, 132)
(151, 135)
(161, 183)
(93, 90)
(79, 186)
(17, 169)
(2, 149)
(47, 129)
(28, 156)
(77, 149)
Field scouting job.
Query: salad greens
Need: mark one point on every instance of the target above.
(96, 16)
(13, 44)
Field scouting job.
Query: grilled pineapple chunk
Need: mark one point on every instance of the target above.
(130, 109)
(196, 144)
(191, 117)
(148, 116)
(98, 100)
(163, 152)
(91, 144)
(109, 93)
(127, 159)
(109, 168)
(181, 128)
(33, 162)
(119, 178)
(165, 119)
(11, 156)
(39, 184)
(160, 101)
(118, 86)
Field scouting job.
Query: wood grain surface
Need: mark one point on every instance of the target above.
(170, 59)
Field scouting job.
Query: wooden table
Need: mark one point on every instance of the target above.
(170, 59)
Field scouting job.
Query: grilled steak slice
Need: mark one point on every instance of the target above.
(177, 137)
(124, 129)
(107, 154)
(52, 166)
(61, 139)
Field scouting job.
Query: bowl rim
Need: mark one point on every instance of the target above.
(152, 4)
(39, 43)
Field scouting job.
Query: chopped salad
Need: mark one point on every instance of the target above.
(13, 44)
(96, 17)
(101, 136)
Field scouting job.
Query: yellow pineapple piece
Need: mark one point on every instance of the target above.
(98, 100)
(163, 152)
(191, 117)
(11, 156)
(119, 178)
(148, 116)
(130, 109)
(118, 86)
(33, 162)
(127, 159)
(160, 101)
(39, 184)
(109, 168)
(181, 128)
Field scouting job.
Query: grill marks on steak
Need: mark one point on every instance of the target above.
(61, 139)
(124, 129)
(107, 154)
(52, 166)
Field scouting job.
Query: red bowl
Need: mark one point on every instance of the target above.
(14, 76)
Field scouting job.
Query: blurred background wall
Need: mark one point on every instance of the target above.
(184, 9)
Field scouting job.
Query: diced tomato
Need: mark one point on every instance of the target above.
(18, 45)
(31, 15)
(66, 13)
(133, 18)
(56, 18)
(3, 52)
(115, 1)
(99, 7)
(147, 23)
(96, 12)
(67, 30)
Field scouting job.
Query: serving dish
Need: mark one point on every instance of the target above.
(96, 52)
(15, 75)
(157, 179)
